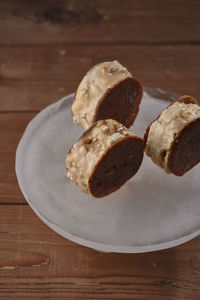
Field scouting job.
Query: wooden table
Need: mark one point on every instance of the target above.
(45, 49)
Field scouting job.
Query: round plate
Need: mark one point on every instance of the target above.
(153, 211)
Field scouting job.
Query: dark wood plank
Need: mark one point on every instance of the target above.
(35, 263)
(33, 77)
(85, 21)
(12, 126)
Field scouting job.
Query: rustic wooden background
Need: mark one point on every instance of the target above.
(45, 49)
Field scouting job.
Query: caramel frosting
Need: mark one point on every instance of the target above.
(90, 148)
(93, 87)
(164, 130)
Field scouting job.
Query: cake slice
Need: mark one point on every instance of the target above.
(104, 158)
(173, 139)
(107, 91)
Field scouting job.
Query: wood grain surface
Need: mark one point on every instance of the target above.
(33, 77)
(36, 261)
(45, 49)
(100, 21)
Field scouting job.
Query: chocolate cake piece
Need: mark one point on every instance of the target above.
(173, 139)
(107, 91)
(104, 158)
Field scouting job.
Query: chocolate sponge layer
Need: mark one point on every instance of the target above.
(118, 165)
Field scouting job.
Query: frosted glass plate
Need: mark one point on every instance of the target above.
(153, 211)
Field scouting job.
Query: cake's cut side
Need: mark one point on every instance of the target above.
(108, 82)
(121, 103)
(184, 152)
(165, 138)
(104, 145)
(117, 166)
